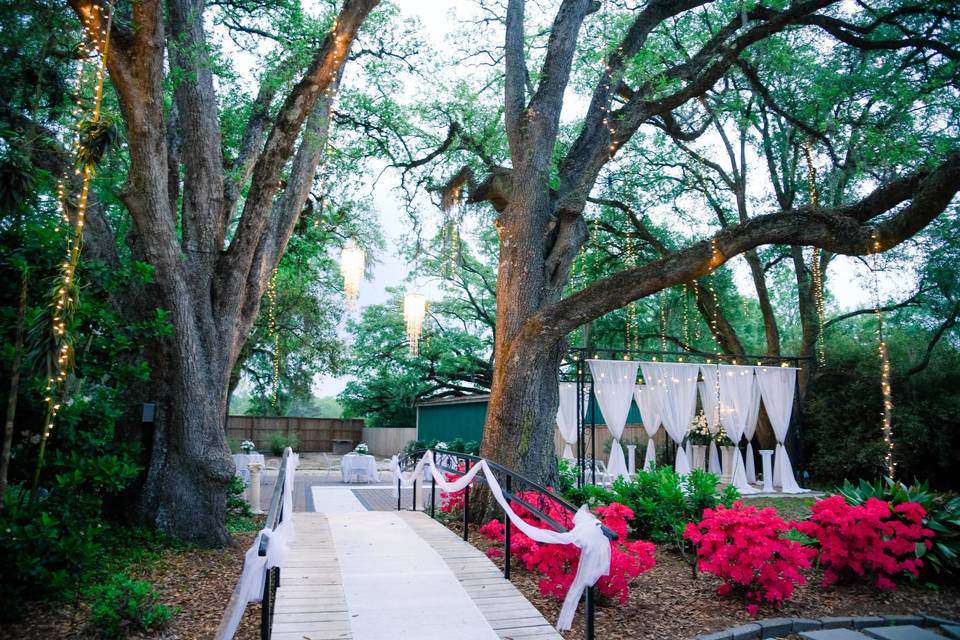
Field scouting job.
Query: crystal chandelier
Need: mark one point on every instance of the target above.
(352, 260)
(414, 310)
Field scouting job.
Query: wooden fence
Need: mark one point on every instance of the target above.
(386, 441)
(313, 434)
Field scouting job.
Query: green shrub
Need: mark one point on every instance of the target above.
(239, 513)
(123, 605)
(943, 517)
(278, 441)
(662, 501)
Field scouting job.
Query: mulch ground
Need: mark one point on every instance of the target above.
(668, 603)
(197, 582)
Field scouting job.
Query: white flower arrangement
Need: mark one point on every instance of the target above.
(441, 445)
(723, 440)
(247, 446)
(362, 449)
(699, 430)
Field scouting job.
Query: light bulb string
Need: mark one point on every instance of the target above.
(885, 388)
(816, 270)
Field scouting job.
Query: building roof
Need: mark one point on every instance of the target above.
(471, 399)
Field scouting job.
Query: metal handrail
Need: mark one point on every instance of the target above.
(271, 580)
(441, 460)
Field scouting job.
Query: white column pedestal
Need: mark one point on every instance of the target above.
(254, 499)
(767, 455)
(632, 458)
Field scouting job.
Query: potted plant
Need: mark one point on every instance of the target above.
(248, 447)
(727, 451)
(362, 449)
(699, 437)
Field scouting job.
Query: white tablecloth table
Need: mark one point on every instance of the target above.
(359, 468)
(243, 460)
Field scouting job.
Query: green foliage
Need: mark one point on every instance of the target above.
(277, 441)
(662, 501)
(239, 513)
(123, 606)
(943, 517)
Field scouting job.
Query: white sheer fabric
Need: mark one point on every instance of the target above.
(255, 566)
(647, 397)
(586, 534)
(679, 401)
(736, 394)
(751, 430)
(613, 384)
(777, 388)
(708, 400)
(567, 416)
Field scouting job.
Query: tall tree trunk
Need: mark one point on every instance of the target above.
(14, 388)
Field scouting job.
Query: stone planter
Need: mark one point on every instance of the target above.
(699, 456)
(726, 463)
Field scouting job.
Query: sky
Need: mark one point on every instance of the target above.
(849, 279)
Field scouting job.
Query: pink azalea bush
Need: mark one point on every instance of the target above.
(748, 550)
(558, 563)
(868, 539)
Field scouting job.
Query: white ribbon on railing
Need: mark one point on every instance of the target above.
(250, 587)
(587, 533)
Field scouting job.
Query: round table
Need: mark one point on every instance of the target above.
(359, 468)
(243, 461)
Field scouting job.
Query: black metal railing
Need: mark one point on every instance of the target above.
(517, 490)
(275, 516)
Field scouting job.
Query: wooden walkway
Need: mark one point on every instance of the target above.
(312, 603)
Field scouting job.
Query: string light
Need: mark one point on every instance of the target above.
(274, 335)
(414, 311)
(686, 316)
(633, 333)
(815, 266)
(352, 262)
(663, 320)
(66, 294)
(887, 392)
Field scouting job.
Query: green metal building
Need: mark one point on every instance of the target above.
(463, 417)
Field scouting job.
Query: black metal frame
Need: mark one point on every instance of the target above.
(512, 484)
(579, 357)
(271, 580)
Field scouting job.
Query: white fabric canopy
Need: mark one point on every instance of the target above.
(751, 430)
(613, 383)
(586, 534)
(567, 416)
(777, 388)
(679, 401)
(708, 400)
(647, 397)
(736, 395)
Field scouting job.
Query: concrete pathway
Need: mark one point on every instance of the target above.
(376, 575)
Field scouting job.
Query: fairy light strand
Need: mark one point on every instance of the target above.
(816, 270)
(274, 336)
(887, 392)
(96, 25)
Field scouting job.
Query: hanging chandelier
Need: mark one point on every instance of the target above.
(352, 261)
(414, 311)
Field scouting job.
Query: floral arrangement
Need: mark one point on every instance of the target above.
(699, 431)
(749, 551)
(247, 446)
(441, 445)
(362, 449)
(723, 440)
(558, 563)
(872, 538)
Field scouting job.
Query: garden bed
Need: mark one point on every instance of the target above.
(667, 603)
(197, 582)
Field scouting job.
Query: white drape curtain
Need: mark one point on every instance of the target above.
(613, 384)
(567, 416)
(708, 400)
(751, 429)
(736, 395)
(255, 567)
(586, 534)
(777, 388)
(647, 397)
(679, 401)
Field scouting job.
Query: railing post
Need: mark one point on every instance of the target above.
(399, 494)
(506, 534)
(413, 497)
(588, 613)
(266, 606)
(433, 496)
(466, 508)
